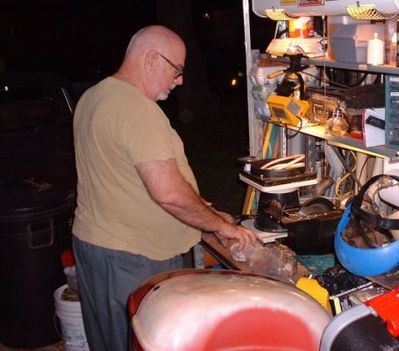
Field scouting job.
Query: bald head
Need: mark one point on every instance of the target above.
(155, 54)
(153, 37)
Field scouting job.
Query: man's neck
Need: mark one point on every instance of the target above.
(124, 77)
(132, 80)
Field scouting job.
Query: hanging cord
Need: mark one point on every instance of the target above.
(325, 80)
(340, 85)
(339, 184)
(364, 165)
(324, 61)
(293, 135)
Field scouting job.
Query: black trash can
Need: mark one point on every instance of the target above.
(34, 231)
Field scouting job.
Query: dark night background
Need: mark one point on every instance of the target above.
(84, 41)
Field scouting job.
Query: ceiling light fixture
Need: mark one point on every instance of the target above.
(365, 12)
(278, 15)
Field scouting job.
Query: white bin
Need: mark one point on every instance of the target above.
(71, 321)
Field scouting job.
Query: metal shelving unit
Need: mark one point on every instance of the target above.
(346, 142)
(327, 62)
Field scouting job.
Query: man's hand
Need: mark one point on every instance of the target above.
(244, 236)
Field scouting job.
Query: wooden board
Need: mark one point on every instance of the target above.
(222, 254)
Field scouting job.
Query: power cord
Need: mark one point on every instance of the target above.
(290, 136)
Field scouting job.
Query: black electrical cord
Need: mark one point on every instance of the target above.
(356, 83)
(290, 136)
(323, 80)
(360, 81)
(364, 164)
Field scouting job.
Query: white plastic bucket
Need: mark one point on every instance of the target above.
(71, 321)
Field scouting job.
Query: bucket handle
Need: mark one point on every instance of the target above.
(31, 234)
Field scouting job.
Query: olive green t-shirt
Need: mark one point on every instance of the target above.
(115, 127)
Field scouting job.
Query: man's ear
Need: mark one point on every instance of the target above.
(150, 61)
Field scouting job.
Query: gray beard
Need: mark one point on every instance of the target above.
(162, 96)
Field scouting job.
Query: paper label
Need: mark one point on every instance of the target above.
(303, 3)
(288, 2)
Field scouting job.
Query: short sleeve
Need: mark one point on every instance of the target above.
(145, 134)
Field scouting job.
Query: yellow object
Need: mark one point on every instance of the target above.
(266, 139)
(313, 288)
(250, 193)
(248, 201)
(278, 15)
(287, 110)
(365, 12)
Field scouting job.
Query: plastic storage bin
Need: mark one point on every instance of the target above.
(350, 41)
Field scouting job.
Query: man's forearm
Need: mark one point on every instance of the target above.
(173, 193)
(188, 206)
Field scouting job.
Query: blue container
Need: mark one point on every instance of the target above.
(366, 262)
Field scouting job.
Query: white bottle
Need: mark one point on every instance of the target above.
(375, 51)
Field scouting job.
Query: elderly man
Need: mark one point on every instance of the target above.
(138, 204)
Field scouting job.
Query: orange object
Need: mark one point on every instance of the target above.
(301, 27)
(387, 307)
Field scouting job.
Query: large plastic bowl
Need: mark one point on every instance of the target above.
(366, 262)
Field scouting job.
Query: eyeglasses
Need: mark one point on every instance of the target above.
(179, 70)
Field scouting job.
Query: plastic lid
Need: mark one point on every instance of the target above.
(27, 196)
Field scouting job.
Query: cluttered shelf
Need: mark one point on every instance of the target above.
(327, 62)
(369, 99)
(345, 142)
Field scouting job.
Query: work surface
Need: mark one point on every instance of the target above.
(223, 255)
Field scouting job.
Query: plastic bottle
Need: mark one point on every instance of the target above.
(375, 51)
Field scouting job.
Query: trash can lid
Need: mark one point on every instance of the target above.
(28, 196)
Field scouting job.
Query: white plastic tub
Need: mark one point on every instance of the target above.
(71, 321)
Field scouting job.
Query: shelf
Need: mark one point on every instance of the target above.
(327, 62)
(345, 142)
